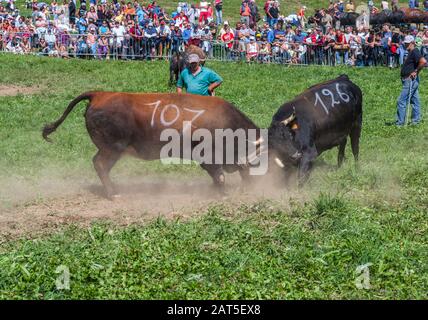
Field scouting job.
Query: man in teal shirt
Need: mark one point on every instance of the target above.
(198, 80)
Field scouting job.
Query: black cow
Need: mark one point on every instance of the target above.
(319, 119)
(176, 65)
(179, 61)
(347, 19)
(387, 16)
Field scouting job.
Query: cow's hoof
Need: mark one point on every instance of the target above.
(114, 197)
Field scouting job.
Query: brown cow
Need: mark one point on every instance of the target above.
(195, 49)
(414, 16)
(120, 123)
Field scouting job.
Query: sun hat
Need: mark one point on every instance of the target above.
(409, 39)
(193, 58)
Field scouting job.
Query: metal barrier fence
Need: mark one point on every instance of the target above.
(92, 46)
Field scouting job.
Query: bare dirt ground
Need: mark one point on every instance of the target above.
(13, 90)
(29, 211)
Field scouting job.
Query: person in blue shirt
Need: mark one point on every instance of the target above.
(82, 25)
(187, 33)
(149, 41)
(197, 79)
(298, 37)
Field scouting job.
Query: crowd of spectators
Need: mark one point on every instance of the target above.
(134, 30)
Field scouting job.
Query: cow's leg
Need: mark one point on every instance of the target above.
(244, 172)
(103, 161)
(355, 141)
(217, 174)
(341, 154)
(305, 165)
(171, 77)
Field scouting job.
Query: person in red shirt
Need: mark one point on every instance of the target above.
(341, 47)
(227, 38)
(301, 16)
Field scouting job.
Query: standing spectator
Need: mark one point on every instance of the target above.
(91, 41)
(203, 11)
(273, 14)
(384, 5)
(176, 38)
(218, 11)
(163, 41)
(301, 16)
(252, 49)
(350, 7)
(264, 53)
(150, 35)
(197, 79)
(181, 19)
(136, 40)
(426, 5)
(118, 32)
(72, 12)
(410, 70)
(386, 43)
(394, 5)
(245, 12)
(424, 48)
(254, 10)
(227, 38)
(326, 20)
(102, 47)
(190, 14)
(341, 47)
(92, 14)
(187, 32)
(206, 39)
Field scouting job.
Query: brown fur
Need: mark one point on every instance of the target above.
(120, 123)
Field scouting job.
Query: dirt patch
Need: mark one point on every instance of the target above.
(60, 203)
(13, 90)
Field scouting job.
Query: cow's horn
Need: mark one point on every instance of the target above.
(289, 119)
(258, 142)
(279, 163)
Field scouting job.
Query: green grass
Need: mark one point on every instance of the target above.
(302, 249)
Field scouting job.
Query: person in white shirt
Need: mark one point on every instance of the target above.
(384, 5)
(191, 14)
(164, 33)
(118, 32)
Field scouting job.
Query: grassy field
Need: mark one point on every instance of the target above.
(285, 248)
(231, 7)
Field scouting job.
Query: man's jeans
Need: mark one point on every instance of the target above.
(219, 16)
(339, 58)
(404, 99)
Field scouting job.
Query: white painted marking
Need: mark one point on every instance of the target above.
(317, 98)
(156, 105)
(327, 92)
(342, 95)
(166, 123)
(162, 119)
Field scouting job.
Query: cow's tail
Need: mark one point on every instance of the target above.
(51, 127)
